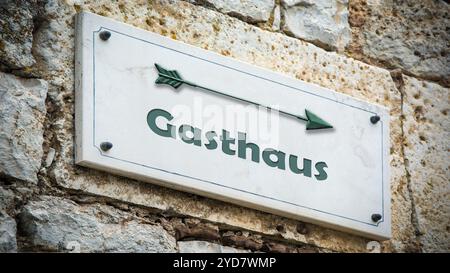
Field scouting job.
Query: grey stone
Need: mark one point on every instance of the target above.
(206, 247)
(50, 157)
(17, 22)
(8, 231)
(54, 45)
(6, 198)
(276, 23)
(322, 22)
(22, 112)
(248, 10)
(59, 224)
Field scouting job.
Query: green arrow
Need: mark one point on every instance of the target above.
(173, 78)
(314, 122)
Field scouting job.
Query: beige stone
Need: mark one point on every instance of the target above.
(412, 35)
(248, 10)
(427, 146)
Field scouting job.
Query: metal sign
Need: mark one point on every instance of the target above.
(165, 112)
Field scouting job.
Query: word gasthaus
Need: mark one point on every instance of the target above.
(193, 135)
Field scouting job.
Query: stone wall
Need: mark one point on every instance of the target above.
(393, 53)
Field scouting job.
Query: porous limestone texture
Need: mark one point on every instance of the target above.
(248, 10)
(411, 35)
(427, 144)
(37, 133)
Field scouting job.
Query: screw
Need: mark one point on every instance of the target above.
(376, 217)
(104, 35)
(374, 119)
(105, 146)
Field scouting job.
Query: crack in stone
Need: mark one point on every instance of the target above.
(397, 77)
(234, 14)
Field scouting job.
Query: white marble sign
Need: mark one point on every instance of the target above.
(164, 112)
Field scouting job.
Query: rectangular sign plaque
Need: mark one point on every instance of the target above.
(165, 112)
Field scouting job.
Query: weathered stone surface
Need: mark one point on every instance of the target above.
(54, 46)
(54, 223)
(247, 10)
(206, 247)
(212, 30)
(412, 35)
(50, 157)
(278, 248)
(6, 198)
(199, 231)
(427, 143)
(17, 22)
(240, 240)
(22, 112)
(276, 20)
(7, 233)
(324, 22)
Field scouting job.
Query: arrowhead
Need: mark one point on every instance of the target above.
(314, 122)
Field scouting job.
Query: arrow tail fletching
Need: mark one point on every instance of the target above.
(168, 77)
(163, 80)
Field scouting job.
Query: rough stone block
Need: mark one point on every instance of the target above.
(412, 35)
(22, 113)
(248, 10)
(324, 22)
(17, 22)
(54, 223)
(7, 233)
(427, 143)
(206, 247)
